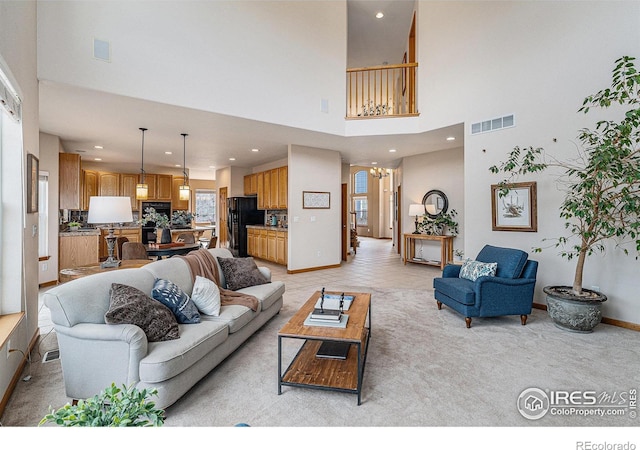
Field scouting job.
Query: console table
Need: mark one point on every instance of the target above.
(446, 249)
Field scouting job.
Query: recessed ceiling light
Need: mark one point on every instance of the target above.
(255, 150)
(98, 147)
(232, 159)
(451, 138)
(374, 162)
(392, 150)
(168, 153)
(97, 159)
(379, 15)
(177, 165)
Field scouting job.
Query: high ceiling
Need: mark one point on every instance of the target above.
(84, 118)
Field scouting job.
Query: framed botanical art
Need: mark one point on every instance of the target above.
(515, 211)
(316, 200)
(32, 183)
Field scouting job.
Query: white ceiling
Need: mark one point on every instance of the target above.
(84, 118)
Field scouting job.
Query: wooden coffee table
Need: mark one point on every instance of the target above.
(308, 370)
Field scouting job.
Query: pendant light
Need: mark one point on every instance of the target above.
(184, 189)
(142, 189)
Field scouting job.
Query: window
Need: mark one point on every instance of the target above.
(360, 208)
(43, 215)
(205, 205)
(360, 184)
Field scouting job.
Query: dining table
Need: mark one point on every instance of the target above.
(167, 250)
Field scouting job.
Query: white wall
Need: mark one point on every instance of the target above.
(314, 234)
(248, 57)
(443, 170)
(50, 147)
(19, 246)
(537, 60)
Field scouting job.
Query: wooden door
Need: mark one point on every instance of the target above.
(222, 217)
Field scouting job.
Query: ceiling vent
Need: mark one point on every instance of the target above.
(493, 124)
(102, 50)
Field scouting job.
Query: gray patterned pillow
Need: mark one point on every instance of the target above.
(174, 298)
(471, 270)
(130, 305)
(241, 272)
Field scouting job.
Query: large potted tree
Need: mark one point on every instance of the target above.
(602, 200)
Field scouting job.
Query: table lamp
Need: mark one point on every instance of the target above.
(110, 210)
(416, 209)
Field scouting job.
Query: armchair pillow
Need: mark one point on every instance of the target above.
(472, 270)
(132, 306)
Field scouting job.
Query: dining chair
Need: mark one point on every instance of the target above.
(134, 250)
(121, 240)
(187, 238)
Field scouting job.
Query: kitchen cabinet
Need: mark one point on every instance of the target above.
(262, 244)
(268, 244)
(273, 197)
(283, 187)
(164, 187)
(267, 189)
(128, 182)
(281, 247)
(69, 186)
(271, 245)
(260, 189)
(76, 250)
(251, 184)
(108, 184)
(176, 203)
(272, 188)
(89, 187)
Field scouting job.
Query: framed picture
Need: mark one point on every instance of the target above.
(316, 200)
(32, 183)
(517, 210)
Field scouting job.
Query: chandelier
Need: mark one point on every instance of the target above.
(379, 172)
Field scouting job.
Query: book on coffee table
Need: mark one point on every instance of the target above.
(333, 350)
(326, 314)
(342, 323)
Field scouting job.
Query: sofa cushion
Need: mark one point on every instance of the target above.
(267, 294)
(241, 272)
(132, 306)
(234, 316)
(459, 290)
(206, 296)
(174, 298)
(510, 261)
(472, 270)
(167, 359)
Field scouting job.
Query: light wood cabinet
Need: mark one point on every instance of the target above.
(273, 197)
(260, 189)
(176, 203)
(251, 184)
(89, 187)
(281, 247)
(164, 187)
(70, 194)
(283, 187)
(77, 250)
(270, 245)
(128, 182)
(267, 189)
(251, 242)
(262, 244)
(109, 184)
(150, 181)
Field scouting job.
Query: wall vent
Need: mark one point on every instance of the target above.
(493, 124)
(101, 50)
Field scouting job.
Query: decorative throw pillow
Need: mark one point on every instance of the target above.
(471, 270)
(241, 272)
(131, 305)
(206, 296)
(174, 298)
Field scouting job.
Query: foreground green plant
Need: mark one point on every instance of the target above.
(113, 407)
(603, 183)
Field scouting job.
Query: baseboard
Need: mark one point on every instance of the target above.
(608, 321)
(311, 269)
(18, 374)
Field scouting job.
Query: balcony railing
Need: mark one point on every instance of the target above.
(382, 91)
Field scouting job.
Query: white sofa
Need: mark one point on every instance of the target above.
(95, 354)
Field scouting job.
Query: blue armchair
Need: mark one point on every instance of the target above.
(509, 292)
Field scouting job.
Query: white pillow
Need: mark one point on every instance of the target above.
(206, 296)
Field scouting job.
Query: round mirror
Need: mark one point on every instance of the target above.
(435, 203)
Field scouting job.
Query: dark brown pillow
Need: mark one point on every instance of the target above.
(131, 305)
(241, 272)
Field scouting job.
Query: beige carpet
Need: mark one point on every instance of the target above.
(424, 369)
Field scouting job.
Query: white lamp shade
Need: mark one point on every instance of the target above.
(105, 209)
(416, 209)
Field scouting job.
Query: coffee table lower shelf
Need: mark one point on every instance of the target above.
(341, 375)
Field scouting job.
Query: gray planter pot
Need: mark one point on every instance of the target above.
(571, 313)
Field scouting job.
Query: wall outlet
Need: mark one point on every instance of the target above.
(45, 267)
(318, 253)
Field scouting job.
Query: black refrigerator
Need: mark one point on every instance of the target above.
(241, 211)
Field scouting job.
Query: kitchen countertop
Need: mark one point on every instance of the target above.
(94, 231)
(268, 227)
